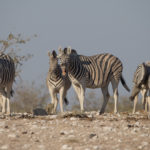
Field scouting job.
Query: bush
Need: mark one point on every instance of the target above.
(28, 97)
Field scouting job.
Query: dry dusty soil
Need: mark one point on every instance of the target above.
(73, 131)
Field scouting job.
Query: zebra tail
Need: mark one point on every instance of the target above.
(124, 84)
(66, 101)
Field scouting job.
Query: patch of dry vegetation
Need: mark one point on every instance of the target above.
(28, 97)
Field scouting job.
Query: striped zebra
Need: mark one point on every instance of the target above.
(7, 76)
(56, 82)
(141, 80)
(92, 72)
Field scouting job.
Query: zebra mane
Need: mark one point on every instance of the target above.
(68, 50)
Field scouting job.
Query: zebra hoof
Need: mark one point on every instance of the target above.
(82, 111)
(101, 112)
(116, 112)
(8, 113)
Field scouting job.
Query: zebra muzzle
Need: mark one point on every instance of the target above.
(63, 71)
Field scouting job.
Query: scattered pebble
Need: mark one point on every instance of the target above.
(3, 147)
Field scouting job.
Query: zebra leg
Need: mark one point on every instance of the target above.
(55, 103)
(8, 105)
(134, 104)
(61, 92)
(144, 101)
(82, 98)
(8, 102)
(148, 102)
(105, 100)
(65, 100)
(115, 91)
(3, 104)
(53, 99)
(80, 94)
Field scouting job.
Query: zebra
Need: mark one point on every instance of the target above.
(56, 82)
(92, 72)
(7, 76)
(141, 80)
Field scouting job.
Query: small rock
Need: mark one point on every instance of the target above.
(137, 124)
(24, 132)
(1, 130)
(96, 147)
(73, 118)
(140, 147)
(43, 127)
(66, 147)
(2, 124)
(63, 133)
(39, 112)
(34, 126)
(41, 147)
(144, 143)
(106, 138)
(37, 141)
(71, 136)
(12, 135)
(26, 146)
(53, 116)
(4, 147)
(92, 135)
(74, 123)
(107, 129)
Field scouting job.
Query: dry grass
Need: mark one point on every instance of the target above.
(29, 97)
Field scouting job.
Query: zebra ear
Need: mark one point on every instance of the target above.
(54, 54)
(49, 53)
(60, 50)
(65, 50)
(69, 50)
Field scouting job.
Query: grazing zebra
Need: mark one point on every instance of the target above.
(141, 82)
(92, 72)
(56, 82)
(7, 75)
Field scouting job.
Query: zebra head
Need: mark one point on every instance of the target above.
(53, 60)
(65, 57)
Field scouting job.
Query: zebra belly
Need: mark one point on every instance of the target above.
(93, 86)
(84, 82)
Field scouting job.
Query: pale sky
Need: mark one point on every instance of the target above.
(120, 27)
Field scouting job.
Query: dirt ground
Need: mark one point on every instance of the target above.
(74, 131)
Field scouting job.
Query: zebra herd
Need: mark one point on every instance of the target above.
(69, 68)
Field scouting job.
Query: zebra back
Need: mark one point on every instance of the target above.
(102, 67)
(142, 73)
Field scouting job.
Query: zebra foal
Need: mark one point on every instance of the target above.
(141, 80)
(7, 76)
(92, 72)
(56, 82)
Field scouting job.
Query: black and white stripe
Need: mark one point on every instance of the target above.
(141, 80)
(93, 72)
(56, 82)
(7, 76)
